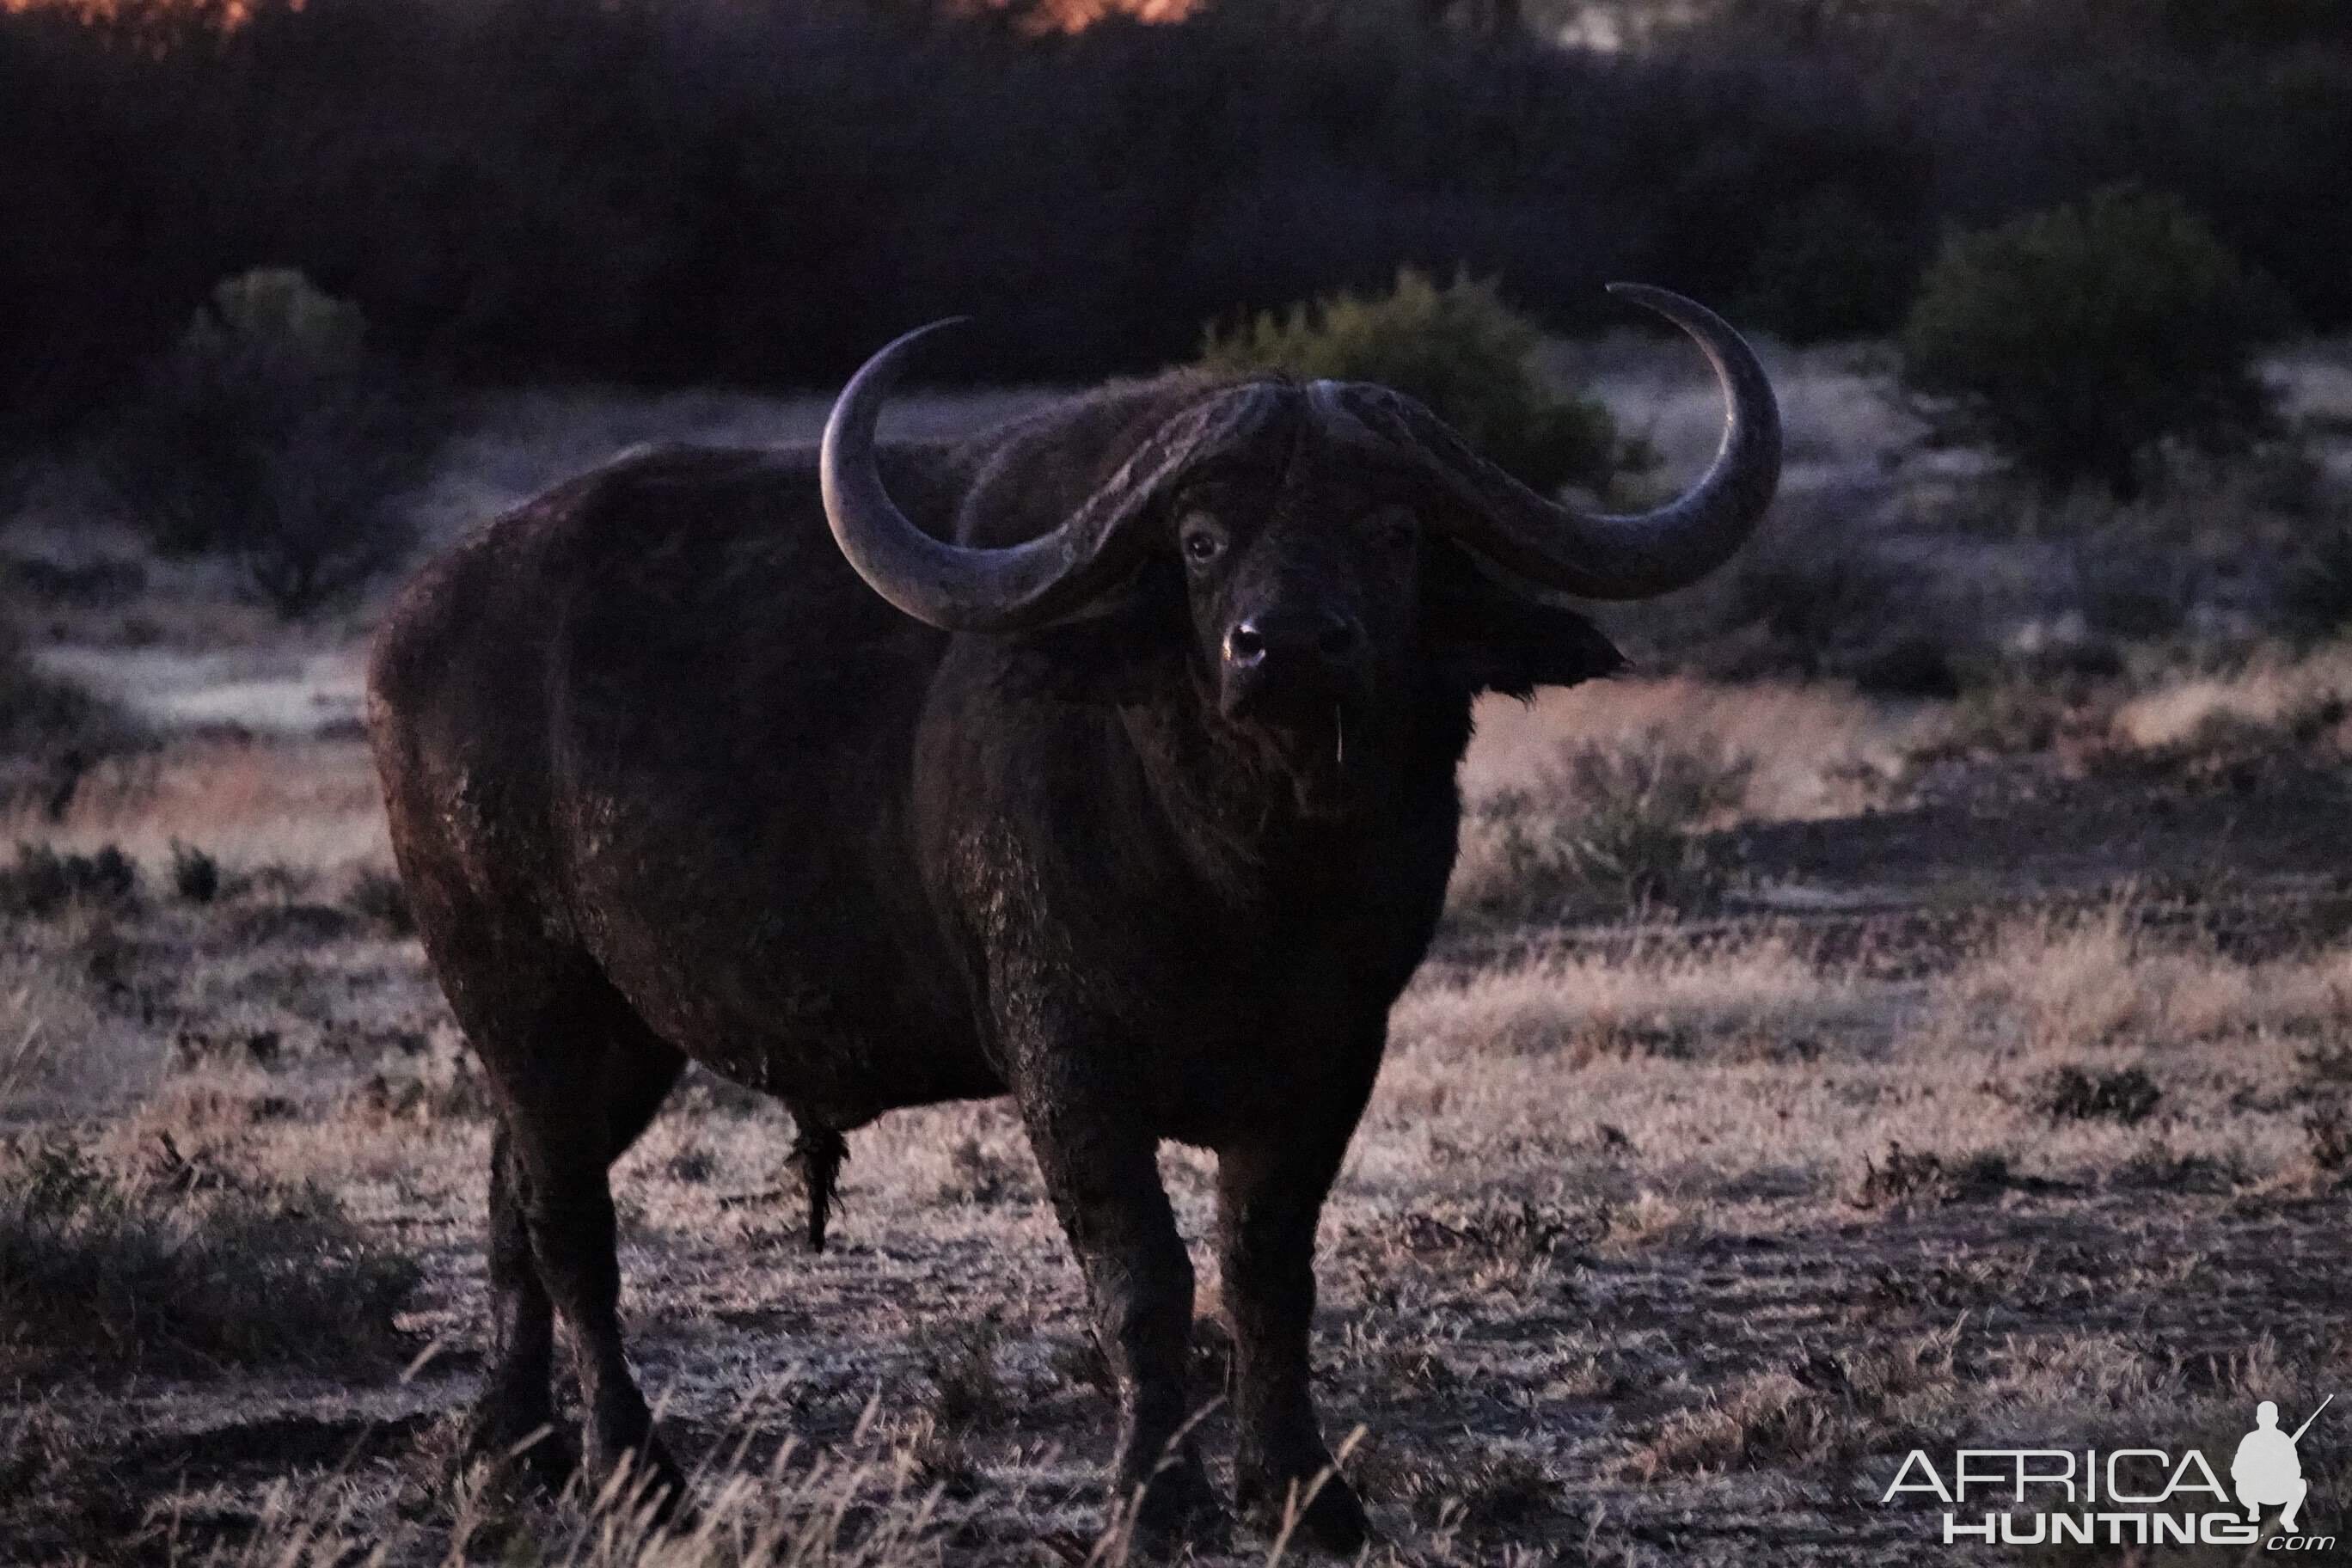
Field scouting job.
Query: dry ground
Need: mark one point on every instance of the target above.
(1664, 1239)
(1804, 1078)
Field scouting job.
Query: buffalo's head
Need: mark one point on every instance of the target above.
(1336, 541)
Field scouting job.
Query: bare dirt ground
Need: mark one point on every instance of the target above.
(1920, 1081)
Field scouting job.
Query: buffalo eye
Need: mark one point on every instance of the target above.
(1201, 540)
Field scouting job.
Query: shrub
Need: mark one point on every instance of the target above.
(195, 875)
(1816, 596)
(1905, 1176)
(269, 434)
(2330, 1135)
(1602, 828)
(1259, 153)
(2317, 595)
(380, 897)
(188, 1268)
(961, 1364)
(42, 881)
(51, 730)
(107, 583)
(1458, 349)
(2128, 1095)
(2078, 339)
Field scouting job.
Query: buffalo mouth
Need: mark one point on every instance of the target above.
(1324, 746)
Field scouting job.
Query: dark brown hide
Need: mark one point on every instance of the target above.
(667, 780)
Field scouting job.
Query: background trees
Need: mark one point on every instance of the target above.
(679, 190)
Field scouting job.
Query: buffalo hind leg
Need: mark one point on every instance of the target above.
(569, 1209)
(575, 1102)
(1270, 1196)
(515, 1416)
(1102, 1171)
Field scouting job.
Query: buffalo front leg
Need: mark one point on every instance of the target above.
(1270, 1195)
(1101, 1169)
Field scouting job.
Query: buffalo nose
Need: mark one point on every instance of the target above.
(1328, 638)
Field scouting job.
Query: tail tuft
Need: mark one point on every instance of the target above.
(818, 1152)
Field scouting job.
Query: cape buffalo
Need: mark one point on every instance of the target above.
(1105, 761)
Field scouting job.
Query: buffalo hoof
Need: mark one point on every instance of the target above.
(638, 1479)
(1333, 1519)
(1178, 1509)
(517, 1456)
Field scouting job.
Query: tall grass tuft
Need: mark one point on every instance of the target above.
(186, 1266)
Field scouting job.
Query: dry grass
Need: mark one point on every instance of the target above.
(1662, 1239)
(251, 803)
(2274, 693)
(1657, 1000)
(184, 1265)
(1627, 1230)
(1810, 751)
(1630, 1227)
(1594, 798)
(2066, 1051)
(1601, 829)
(796, 1510)
(2076, 984)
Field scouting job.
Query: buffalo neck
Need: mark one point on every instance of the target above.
(1263, 826)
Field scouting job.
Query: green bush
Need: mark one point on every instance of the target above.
(2077, 341)
(279, 311)
(269, 434)
(1459, 350)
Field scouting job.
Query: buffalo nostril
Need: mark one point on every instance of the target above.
(1245, 645)
(1336, 640)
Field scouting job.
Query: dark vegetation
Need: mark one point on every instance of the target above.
(1601, 827)
(195, 875)
(44, 881)
(269, 433)
(52, 732)
(1457, 348)
(186, 1266)
(2317, 593)
(2126, 1095)
(665, 191)
(2080, 338)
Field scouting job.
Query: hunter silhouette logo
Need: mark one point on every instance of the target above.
(2268, 1471)
(2122, 1496)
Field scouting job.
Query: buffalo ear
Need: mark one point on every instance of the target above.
(1487, 635)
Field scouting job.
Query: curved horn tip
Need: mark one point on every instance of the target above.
(859, 400)
(928, 328)
(1674, 307)
(888, 356)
